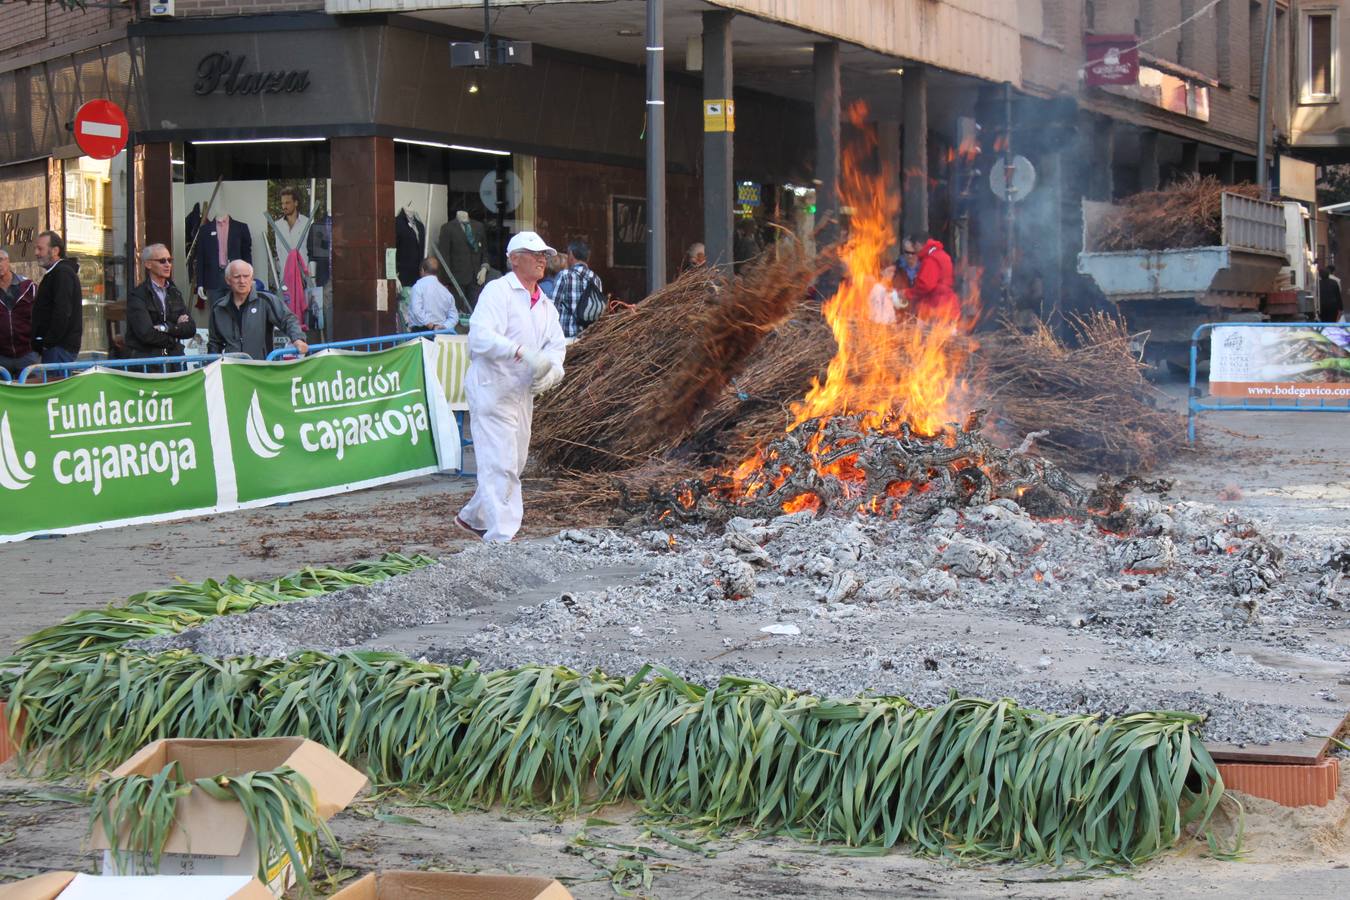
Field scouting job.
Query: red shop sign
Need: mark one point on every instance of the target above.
(1111, 59)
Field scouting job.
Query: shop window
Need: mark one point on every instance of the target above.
(1319, 54)
(274, 200)
(95, 233)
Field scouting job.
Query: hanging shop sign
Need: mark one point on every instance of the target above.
(1111, 59)
(220, 71)
(111, 448)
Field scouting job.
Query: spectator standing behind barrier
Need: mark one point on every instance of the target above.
(430, 304)
(17, 295)
(932, 295)
(696, 257)
(516, 351)
(1329, 295)
(242, 321)
(549, 283)
(157, 317)
(58, 317)
(579, 294)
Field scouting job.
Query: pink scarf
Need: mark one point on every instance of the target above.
(223, 240)
(293, 277)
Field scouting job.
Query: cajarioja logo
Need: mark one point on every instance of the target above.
(262, 442)
(13, 476)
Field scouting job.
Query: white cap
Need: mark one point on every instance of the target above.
(528, 240)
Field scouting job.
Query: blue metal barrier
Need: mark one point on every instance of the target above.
(5, 376)
(1195, 406)
(383, 342)
(149, 363)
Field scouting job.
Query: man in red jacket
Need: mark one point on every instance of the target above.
(931, 296)
(16, 319)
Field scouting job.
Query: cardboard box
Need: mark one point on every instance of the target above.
(69, 886)
(451, 886)
(211, 837)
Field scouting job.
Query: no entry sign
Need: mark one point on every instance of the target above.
(101, 129)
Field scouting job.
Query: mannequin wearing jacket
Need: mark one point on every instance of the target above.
(410, 236)
(462, 244)
(209, 264)
(516, 350)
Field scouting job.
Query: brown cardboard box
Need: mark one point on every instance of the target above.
(211, 837)
(451, 886)
(68, 884)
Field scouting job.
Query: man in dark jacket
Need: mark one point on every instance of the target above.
(58, 317)
(16, 319)
(1329, 294)
(242, 321)
(157, 317)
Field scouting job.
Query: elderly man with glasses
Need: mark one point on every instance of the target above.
(516, 349)
(157, 318)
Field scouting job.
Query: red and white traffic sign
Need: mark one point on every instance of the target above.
(101, 129)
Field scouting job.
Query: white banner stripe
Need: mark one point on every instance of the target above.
(101, 129)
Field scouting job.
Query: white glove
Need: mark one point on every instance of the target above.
(201, 293)
(550, 379)
(482, 274)
(898, 301)
(538, 363)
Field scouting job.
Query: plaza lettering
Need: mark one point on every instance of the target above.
(220, 70)
(336, 435)
(95, 465)
(344, 388)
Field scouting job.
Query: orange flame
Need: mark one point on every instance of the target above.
(908, 362)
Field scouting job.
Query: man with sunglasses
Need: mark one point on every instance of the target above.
(157, 317)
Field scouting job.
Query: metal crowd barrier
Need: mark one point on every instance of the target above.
(1196, 405)
(383, 342)
(5, 376)
(148, 363)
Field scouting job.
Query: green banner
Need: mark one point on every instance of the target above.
(104, 448)
(338, 420)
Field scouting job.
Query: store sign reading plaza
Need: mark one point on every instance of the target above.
(220, 70)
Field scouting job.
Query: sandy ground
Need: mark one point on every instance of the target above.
(1291, 470)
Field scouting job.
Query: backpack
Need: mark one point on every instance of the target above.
(591, 304)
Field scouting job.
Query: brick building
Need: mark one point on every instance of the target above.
(354, 102)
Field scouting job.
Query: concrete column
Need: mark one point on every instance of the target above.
(1101, 180)
(914, 209)
(1148, 160)
(888, 151)
(1190, 158)
(56, 195)
(718, 192)
(1227, 167)
(154, 176)
(364, 301)
(826, 65)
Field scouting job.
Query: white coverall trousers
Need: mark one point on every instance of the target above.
(500, 421)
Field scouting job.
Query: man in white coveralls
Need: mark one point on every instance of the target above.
(515, 352)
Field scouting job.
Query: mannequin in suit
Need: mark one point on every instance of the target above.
(462, 244)
(410, 237)
(211, 258)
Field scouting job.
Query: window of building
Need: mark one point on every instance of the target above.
(1089, 14)
(1222, 36)
(1319, 55)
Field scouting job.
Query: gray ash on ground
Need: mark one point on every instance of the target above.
(987, 601)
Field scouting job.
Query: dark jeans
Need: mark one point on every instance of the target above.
(16, 364)
(57, 355)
